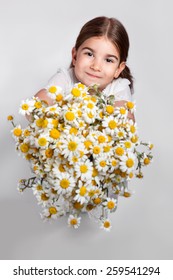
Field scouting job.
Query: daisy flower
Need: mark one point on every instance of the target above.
(81, 193)
(105, 224)
(53, 110)
(131, 106)
(89, 116)
(52, 212)
(84, 170)
(71, 146)
(101, 164)
(110, 204)
(74, 221)
(121, 112)
(113, 164)
(53, 91)
(42, 141)
(110, 123)
(64, 183)
(127, 163)
(17, 132)
(127, 144)
(26, 107)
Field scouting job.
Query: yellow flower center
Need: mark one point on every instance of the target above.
(81, 86)
(131, 175)
(10, 118)
(61, 168)
(55, 123)
(151, 146)
(106, 224)
(64, 183)
(83, 191)
(119, 151)
(73, 130)
(42, 142)
(52, 89)
(76, 92)
(129, 162)
(27, 132)
(54, 133)
(44, 197)
(25, 107)
(101, 139)
(96, 150)
(39, 188)
(87, 144)
(97, 200)
(110, 204)
(103, 163)
(90, 105)
(38, 104)
(52, 210)
(132, 129)
(17, 132)
(95, 172)
(112, 124)
(49, 153)
(90, 115)
(70, 116)
(120, 134)
(146, 161)
(77, 205)
(72, 146)
(73, 222)
(122, 111)
(134, 139)
(93, 99)
(109, 109)
(106, 149)
(130, 105)
(24, 148)
(59, 97)
(127, 194)
(127, 144)
(74, 159)
(83, 168)
(114, 163)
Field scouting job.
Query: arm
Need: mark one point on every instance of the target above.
(42, 95)
(121, 103)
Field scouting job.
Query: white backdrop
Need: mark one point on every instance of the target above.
(36, 39)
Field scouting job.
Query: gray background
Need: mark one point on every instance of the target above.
(36, 39)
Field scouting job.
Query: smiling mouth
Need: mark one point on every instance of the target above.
(93, 76)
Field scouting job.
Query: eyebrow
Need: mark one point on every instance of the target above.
(108, 55)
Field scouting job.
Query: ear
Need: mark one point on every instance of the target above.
(120, 69)
(74, 53)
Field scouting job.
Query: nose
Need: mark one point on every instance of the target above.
(96, 65)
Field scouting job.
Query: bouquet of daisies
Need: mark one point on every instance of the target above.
(82, 152)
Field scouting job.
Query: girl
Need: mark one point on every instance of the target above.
(98, 57)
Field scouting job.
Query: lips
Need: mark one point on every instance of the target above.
(93, 76)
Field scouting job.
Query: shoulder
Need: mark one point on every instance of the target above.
(64, 78)
(120, 84)
(120, 88)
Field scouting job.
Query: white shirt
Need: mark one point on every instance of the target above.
(66, 79)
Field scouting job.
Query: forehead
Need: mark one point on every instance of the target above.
(100, 43)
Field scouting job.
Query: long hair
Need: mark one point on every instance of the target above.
(115, 32)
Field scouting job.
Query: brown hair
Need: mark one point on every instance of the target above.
(115, 32)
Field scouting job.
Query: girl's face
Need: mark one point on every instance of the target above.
(97, 61)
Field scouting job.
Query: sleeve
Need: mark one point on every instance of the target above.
(122, 90)
(59, 79)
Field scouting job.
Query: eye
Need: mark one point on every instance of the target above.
(89, 53)
(109, 60)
